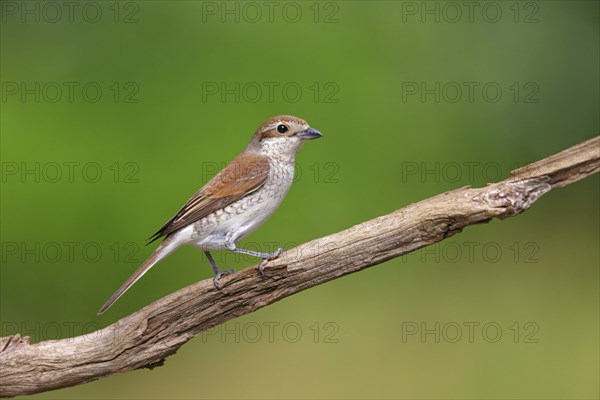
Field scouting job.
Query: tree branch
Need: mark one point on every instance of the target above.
(146, 337)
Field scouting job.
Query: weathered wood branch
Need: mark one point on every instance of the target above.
(146, 337)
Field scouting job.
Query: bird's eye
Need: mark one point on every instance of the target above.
(282, 129)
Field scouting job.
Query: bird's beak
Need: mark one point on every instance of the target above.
(309, 134)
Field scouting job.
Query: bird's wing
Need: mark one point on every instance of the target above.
(242, 176)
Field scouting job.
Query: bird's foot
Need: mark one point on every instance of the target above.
(218, 274)
(266, 258)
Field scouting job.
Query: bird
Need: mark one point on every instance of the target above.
(234, 202)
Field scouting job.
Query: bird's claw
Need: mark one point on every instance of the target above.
(219, 274)
(272, 256)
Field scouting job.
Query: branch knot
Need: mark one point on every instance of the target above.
(514, 197)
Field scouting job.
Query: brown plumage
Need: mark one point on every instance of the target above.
(245, 174)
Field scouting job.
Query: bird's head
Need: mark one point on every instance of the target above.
(282, 135)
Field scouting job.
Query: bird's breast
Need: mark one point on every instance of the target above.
(242, 217)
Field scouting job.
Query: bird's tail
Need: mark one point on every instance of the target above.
(163, 250)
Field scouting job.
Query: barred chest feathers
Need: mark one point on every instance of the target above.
(236, 221)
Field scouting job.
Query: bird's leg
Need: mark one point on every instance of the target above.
(265, 256)
(218, 271)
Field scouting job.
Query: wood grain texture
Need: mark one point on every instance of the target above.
(145, 338)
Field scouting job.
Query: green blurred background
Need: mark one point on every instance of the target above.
(354, 70)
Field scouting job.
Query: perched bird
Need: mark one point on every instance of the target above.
(236, 201)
